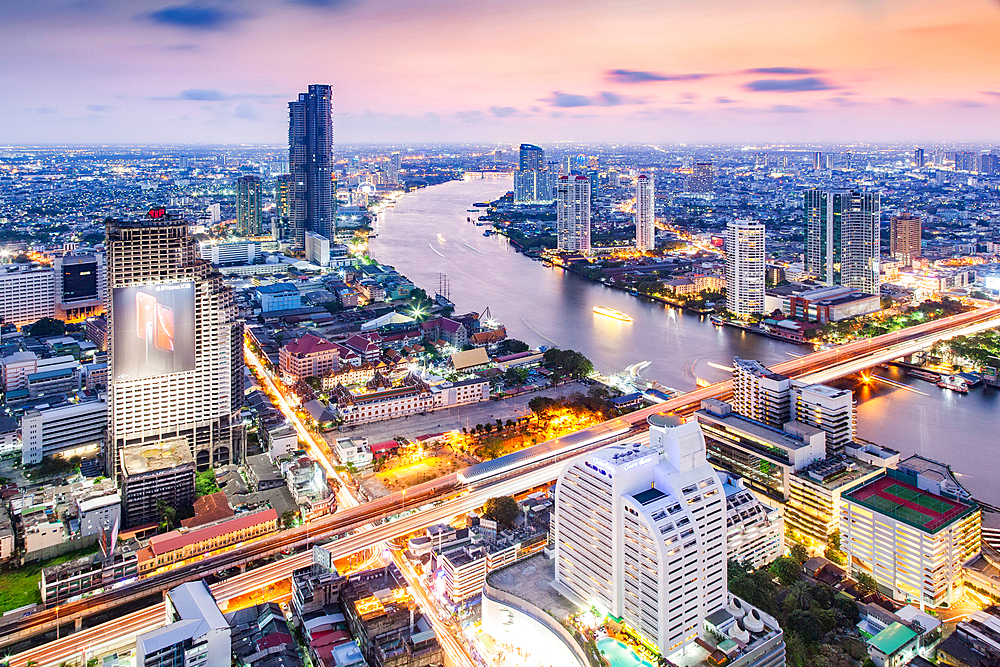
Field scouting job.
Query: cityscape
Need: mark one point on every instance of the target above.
(578, 380)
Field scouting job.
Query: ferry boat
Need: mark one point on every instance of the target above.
(612, 313)
(926, 376)
(699, 382)
(717, 321)
(955, 383)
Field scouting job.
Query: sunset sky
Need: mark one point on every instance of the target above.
(222, 71)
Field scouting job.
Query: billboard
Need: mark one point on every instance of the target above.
(153, 330)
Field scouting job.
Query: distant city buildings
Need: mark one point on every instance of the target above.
(745, 267)
(249, 194)
(573, 214)
(842, 238)
(702, 179)
(645, 213)
(533, 182)
(904, 237)
(311, 196)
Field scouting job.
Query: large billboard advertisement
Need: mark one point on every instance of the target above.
(153, 330)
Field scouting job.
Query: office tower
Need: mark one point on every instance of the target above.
(912, 528)
(567, 165)
(966, 161)
(27, 293)
(573, 214)
(280, 225)
(185, 162)
(759, 393)
(393, 167)
(817, 161)
(214, 213)
(745, 267)
(904, 237)
(702, 180)
(175, 345)
(230, 254)
(532, 180)
(595, 180)
(918, 158)
(249, 195)
(842, 238)
(828, 409)
(762, 160)
(645, 214)
(311, 200)
(317, 249)
(196, 633)
(631, 519)
(81, 283)
(154, 473)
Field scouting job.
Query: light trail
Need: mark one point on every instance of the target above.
(897, 384)
(728, 369)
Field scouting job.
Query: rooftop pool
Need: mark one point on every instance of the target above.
(619, 654)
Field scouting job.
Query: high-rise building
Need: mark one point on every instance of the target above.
(829, 409)
(645, 214)
(842, 238)
(248, 206)
(280, 224)
(745, 267)
(761, 394)
(392, 168)
(818, 161)
(81, 283)
(175, 345)
(631, 520)
(154, 473)
(214, 214)
(196, 633)
(27, 293)
(918, 158)
(702, 180)
(904, 237)
(317, 249)
(573, 214)
(532, 180)
(311, 200)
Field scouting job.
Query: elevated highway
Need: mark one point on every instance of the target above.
(819, 366)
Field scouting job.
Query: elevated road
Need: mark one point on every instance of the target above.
(819, 366)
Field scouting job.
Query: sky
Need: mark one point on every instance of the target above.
(539, 71)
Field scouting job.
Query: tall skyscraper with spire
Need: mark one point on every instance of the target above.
(645, 214)
(311, 196)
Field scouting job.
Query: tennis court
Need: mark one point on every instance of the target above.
(904, 501)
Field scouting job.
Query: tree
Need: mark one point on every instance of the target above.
(47, 326)
(799, 594)
(566, 364)
(541, 404)
(799, 553)
(515, 377)
(787, 570)
(204, 483)
(867, 583)
(511, 346)
(502, 509)
(168, 516)
(832, 551)
(288, 519)
(314, 382)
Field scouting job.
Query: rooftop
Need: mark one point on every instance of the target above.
(166, 454)
(892, 494)
(893, 638)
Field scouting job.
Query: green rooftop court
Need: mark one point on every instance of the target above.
(896, 495)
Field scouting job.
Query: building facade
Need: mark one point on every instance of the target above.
(631, 519)
(175, 360)
(317, 249)
(311, 194)
(573, 214)
(645, 213)
(842, 238)
(62, 430)
(745, 267)
(904, 237)
(27, 293)
(196, 634)
(829, 409)
(249, 196)
(153, 474)
(760, 394)
(81, 284)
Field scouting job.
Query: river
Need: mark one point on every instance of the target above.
(427, 234)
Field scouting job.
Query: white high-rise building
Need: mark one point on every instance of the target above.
(175, 345)
(745, 267)
(573, 214)
(761, 394)
(27, 293)
(645, 214)
(640, 532)
(317, 249)
(826, 408)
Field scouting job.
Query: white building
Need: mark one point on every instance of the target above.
(461, 392)
(354, 451)
(755, 532)
(759, 393)
(99, 511)
(573, 214)
(829, 409)
(69, 429)
(242, 253)
(640, 533)
(745, 267)
(27, 293)
(196, 634)
(645, 213)
(317, 249)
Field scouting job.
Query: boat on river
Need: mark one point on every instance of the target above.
(612, 313)
(954, 383)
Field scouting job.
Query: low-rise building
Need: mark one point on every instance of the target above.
(893, 647)
(461, 392)
(812, 512)
(974, 643)
(414, 396)
(308, 356)
(63, 428)
(353, 451)
(755, 532)
(278, 297)
(89, 575)
(196, 634)
(820, 304)
(307, 481)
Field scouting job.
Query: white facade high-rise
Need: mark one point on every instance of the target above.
(573, 214)
(645, 214)
(745, 267)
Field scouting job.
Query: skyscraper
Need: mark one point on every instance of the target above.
(175, 345)
(311, 199)
(918, 158)
(532, 180)
(640, 533)
(745, 267)
(818, 161)
(702, 180)
(573, 214)
(393, 167)
(645, 214)
(759, 393)
(282, 187)
(248, 206)
(842, 238)
(904, 237)
(826, 408)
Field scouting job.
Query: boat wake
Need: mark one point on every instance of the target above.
(435, 250)
(536, 332)
(471, 248)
